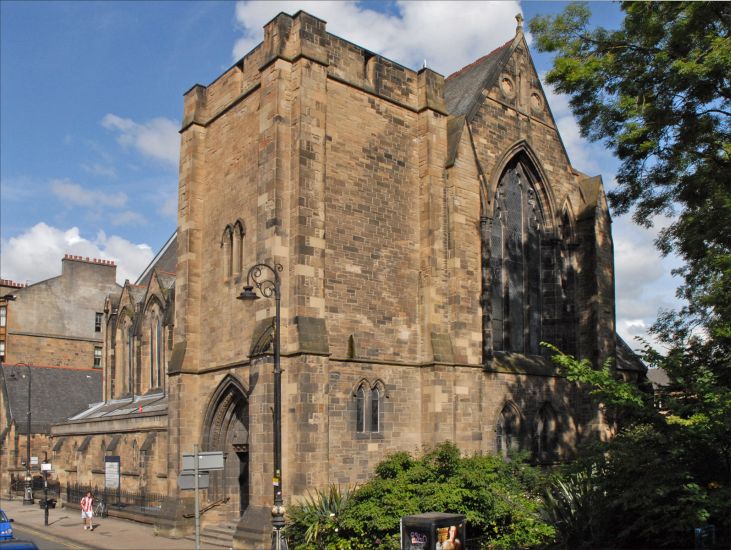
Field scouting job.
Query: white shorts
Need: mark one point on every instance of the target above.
(86, 515)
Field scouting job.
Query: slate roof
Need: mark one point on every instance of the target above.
(626, 358)
(137, 293)
(155, 403)
(463, 92)
(166, 260)
(463, 89)
(56, 394)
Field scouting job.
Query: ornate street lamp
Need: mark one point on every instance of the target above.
(28, 494)
(270, 285)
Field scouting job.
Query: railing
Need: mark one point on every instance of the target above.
(133, 501)
(17, 486)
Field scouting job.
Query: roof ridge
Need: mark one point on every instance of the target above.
(467, 67)
(56, 367)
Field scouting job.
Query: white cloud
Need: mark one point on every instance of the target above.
(584, 155)
(644, 285)
(169, 207)
(97, 169)
(36, 254)
(74, 193)
(127, 217)
(157, 138)
(448, 35)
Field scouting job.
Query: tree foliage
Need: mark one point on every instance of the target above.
(657, 91)
(665, 471)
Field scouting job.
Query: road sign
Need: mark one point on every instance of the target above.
(186, 480)
(46, 467)
(206, 461)
(34, 461)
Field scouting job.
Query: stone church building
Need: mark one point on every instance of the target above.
(432, 233)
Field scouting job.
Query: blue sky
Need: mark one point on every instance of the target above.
(91, 101)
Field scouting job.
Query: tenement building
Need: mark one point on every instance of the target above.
(431, 231)
(50, 355)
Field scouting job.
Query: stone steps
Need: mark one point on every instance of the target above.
(217, 536)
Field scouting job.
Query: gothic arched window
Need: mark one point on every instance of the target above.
(375, 410)
(360, 410)
(369, 406)
(159, 351)
(546, 434)
(515, 264)
(227, 241)
(508, 431)
(130, 357)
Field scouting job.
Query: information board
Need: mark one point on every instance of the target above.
(111, 472)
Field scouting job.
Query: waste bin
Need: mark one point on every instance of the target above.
(433, 531)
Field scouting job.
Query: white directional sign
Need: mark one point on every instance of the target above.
(46, 467)
(206, 461)
(186, 480)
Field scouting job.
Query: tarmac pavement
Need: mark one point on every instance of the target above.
(64, 526)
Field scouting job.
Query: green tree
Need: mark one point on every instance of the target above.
(657, 92)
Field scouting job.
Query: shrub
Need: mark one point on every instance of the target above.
(499, 499)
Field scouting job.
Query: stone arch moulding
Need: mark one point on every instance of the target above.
(362, 383)
(544, 190)
(240, 227)
(230, 385)
(228, 232)
(507, 403)
(226, 429)
(151, 301)
(380, 386)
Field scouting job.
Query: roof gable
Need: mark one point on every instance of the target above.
(508, 76)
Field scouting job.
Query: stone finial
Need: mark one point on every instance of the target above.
(519, 19)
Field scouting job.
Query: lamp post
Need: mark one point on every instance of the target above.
(28, 494)
(270, 285)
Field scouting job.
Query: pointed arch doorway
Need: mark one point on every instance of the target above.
(226, 429)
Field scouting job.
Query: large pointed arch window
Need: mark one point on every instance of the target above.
(515, 264)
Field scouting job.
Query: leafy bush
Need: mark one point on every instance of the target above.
(573, 505)
(499, 499)
(314, 522)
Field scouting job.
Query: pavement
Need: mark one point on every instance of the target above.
(65, 528)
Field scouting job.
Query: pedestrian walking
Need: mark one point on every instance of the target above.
(87, 506)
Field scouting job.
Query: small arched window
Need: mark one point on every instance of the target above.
(159, 351)
(237, 250)
(130, 357)
(360, 410)
(508, 431)
(135, 454)
(375, 410)
(369, 407)
(227, 247)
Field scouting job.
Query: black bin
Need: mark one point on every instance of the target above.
(433, 531)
